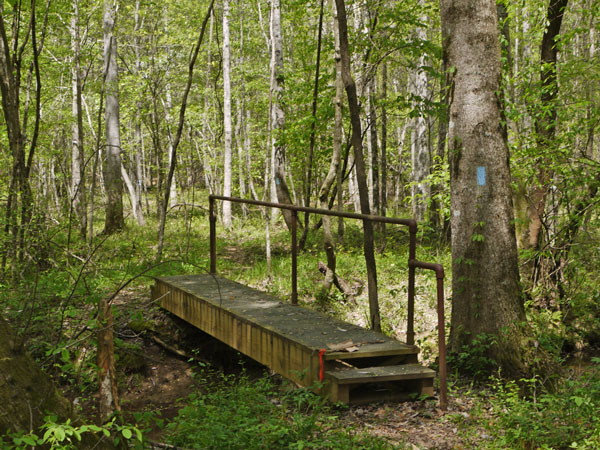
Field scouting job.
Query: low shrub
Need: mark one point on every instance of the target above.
(237, 413)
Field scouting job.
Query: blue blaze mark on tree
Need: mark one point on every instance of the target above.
(481, 176)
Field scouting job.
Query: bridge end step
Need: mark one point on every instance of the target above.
(382, 383)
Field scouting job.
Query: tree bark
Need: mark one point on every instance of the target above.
(167, 191)
(338, 120)
(368, 240)
(114, 220)
(383, 184)
(485, 275)
(313, 124)
(138, 136)
(77, 168)
(332, 174)
(277, 114)
(226, 116)
(107, 377)
(545, 122)
(373, 147)
(420, 152)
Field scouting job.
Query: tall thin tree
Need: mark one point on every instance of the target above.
(226, 115)
(167, 189)
(277, 113)
(368, 239)
(114, 219)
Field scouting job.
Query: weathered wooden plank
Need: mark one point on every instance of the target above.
(385, 373)
(309, 328)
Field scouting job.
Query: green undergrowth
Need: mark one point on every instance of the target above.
(534, 415)
(237, 413)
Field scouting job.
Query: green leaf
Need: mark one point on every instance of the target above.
(30, 440)
(60, 434)
(47, 435)
(126, 432)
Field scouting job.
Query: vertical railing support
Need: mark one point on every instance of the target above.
(439, 274)
(410, 309)
(441, 338)
(212, 218)
(294, 259)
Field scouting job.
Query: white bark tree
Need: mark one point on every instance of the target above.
(277, 113)
(226, 116)
(77, 156)
(420, 151)
(114, 220)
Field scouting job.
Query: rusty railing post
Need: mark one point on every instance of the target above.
(441, 338)
(410, 309)
(212, 218)
(294, 259)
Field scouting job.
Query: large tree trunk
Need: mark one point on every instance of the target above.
(361, 176)
(107, 377)
(114, 220)
(485, 276)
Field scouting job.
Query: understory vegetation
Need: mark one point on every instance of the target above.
(54, 312)
(237, 413)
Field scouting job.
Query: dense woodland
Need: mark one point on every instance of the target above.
(478, 119)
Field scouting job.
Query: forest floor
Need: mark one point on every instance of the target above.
(168, 351)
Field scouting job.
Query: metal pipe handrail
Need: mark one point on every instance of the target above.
(412, 265)
(411, 223)
(439, 274)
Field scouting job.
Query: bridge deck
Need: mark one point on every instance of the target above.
(284, 337)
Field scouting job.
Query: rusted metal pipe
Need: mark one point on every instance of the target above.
(442, 344)
(439, 273)
(410, 308)
(326, 212)
(212, 218)
(294, 258)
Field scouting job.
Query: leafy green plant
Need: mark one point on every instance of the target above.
(66, 436)
(473, 359)
(240, 414)
(561, 419)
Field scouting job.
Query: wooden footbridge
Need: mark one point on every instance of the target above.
(355, 365)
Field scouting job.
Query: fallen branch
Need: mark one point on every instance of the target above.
(170, 348)
(153, 444)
